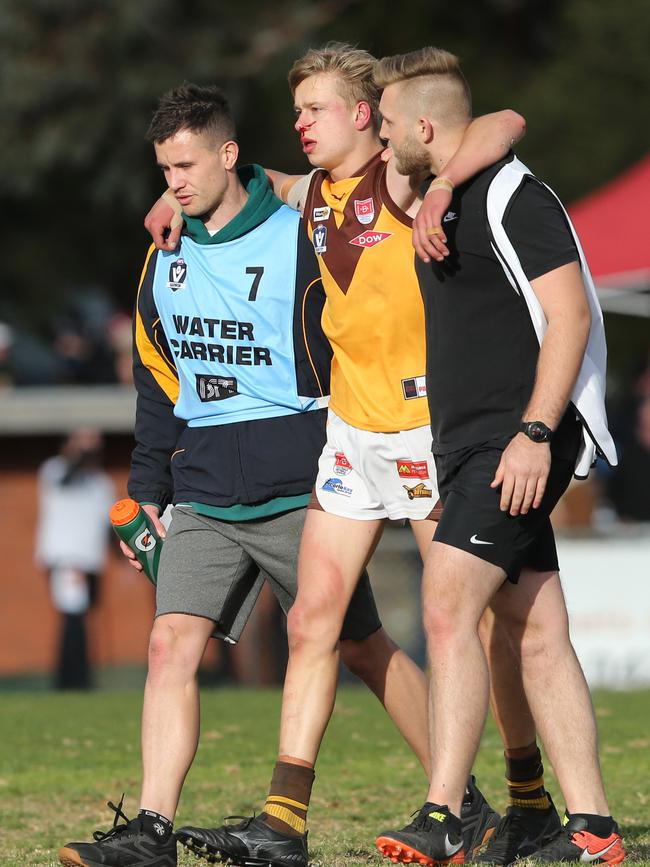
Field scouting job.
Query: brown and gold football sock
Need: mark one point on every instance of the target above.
(525, 778)
(286, 807)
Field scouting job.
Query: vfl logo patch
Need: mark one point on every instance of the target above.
(211, 388)
(321, 213)
(336, 486)
(319, 238)
(146, 541)
(370, 238)
(342, 465)
(413, 469)
(415, 386)
(177, 275)
(418, 492)
(364, 210)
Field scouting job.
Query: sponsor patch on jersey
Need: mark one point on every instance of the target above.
(319, 238)
(336, 486)
(342, 465)
(211, 388)
(321, 213)
(364, 210)
(415, 386)
(177, 274)
(418, 491)
(370, 238)
(413, 469)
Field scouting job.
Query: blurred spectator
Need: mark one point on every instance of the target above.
(75, 495)
(120, 340)
(6, 341)
(629, 485)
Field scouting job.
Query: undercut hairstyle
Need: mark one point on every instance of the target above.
(194, 108)
(431, 78)
(353, 67)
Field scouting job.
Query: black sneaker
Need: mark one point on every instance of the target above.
(478, 820)
(123, 846)
(521, 832)
(249, 843)
(434, 837)
(576, 843)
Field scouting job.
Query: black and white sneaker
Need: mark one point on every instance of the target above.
(520, 833)
(478, 820)
(124, 845)
(250, 843)
(433, 837)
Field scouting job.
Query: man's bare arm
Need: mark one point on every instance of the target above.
(486, 140)
(164, 222)
(524, 466)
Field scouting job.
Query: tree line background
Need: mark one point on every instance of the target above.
(80, 78)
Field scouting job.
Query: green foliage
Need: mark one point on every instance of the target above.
(79, 79)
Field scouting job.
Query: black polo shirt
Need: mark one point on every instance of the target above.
(481, 344)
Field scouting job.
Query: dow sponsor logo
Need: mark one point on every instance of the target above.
(211, 388)
(369, 238)
(320, 239)
(177, 274)
(336, 486)
(413, 469)
(418, 492)
(342, 465)
(364, 210)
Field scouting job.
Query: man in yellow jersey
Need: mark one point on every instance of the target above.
(377, 462)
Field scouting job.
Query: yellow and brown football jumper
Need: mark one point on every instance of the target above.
(374, 316)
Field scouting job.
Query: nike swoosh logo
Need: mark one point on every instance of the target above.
(588, 856)
(451, 848)
(476, 541)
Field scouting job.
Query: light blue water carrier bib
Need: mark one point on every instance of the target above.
(227, 310)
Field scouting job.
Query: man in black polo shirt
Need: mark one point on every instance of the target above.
(515, 382)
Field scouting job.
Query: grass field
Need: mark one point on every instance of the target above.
(63, 756)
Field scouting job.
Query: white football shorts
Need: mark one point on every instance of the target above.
(366, 475)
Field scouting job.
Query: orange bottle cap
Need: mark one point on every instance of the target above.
(123, 512)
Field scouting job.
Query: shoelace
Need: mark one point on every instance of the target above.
(422, 822)
(98, 836)
(558, 846)
(509, 832)
(240, 826)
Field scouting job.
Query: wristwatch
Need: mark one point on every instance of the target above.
(537, 431)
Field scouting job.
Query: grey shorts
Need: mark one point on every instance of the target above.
(216, 569)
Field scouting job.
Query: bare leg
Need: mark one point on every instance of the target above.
(170, 716)
(456, 589)
(399, 684)
(555, 685)
(333, 553)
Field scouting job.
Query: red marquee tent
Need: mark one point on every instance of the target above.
(614, 228)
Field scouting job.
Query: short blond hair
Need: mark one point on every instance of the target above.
(432, 74)
(353, 67)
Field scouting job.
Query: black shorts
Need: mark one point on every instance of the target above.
(472, 519)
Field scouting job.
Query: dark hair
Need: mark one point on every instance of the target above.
(195, 108)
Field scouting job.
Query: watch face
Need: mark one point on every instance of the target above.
(538, 432)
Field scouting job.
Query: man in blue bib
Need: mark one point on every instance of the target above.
(232, 373)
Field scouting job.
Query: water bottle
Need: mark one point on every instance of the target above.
(134, 527)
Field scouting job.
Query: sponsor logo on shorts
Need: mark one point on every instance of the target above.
(449, 216)
(369, 238)
(342, 465)
(476, 541)
(146, 541)
(418, 491)
(364, 210)
(415, 386)
(413, 469)
(177, 275)
(319, 238)
(211, 388)
(321, 214)
(336, 486)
